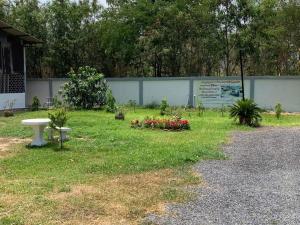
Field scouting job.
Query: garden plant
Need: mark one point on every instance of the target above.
(163, 106)
(278, 110)
(85, 89)
(35, 104)
(58, 119)
(246, 112)
(110, 102)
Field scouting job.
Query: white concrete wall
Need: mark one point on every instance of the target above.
(176, 91)
(57, 85)
(18, 98)
(39, 88)
(269, 92)
(123, 91)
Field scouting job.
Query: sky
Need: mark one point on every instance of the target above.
(103, 2)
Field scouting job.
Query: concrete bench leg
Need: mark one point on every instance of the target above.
(64, 136)
(50, 133)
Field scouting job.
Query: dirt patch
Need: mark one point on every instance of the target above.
(123, 199)
(7, 145)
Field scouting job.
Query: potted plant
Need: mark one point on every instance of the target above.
(120, 114)
(8, 108)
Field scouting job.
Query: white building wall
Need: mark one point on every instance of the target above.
(39, 88)
(123, 91)
(57, 86)
(269, 92)
(17, 98)
(176, 91)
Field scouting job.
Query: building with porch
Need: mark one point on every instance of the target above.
(13, 43)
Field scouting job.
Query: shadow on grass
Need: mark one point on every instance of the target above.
(54, 145)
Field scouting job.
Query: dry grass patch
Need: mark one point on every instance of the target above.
(124, 199)
(7, 146)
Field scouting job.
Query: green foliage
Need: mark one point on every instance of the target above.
(160, 38)
(120, 114)
(58, 119)
(278, 110)
(200, 107)
(132, 103)
(35, 104)
(110, 102)
(246, 112)
(85, 89)
(223, 109)
(163, 106)
(8, 110)
(56, 103)
(152, 105)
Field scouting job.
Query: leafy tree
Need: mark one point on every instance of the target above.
(85, 89)
(160, 38)
(58, 119)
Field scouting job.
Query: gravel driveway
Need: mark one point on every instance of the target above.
(259, 184)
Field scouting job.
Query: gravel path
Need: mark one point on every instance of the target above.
(259, 184)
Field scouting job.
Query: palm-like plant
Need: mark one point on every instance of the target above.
(246, 112)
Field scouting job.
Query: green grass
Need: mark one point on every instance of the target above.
(284, 120)
(100, 144)
(101, 147)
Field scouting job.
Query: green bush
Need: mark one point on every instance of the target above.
(58, 119)
(132, 103)
(8, 110)
(152, 105)
(56, 103)
(110, 102)
(163, 106)
(278, 110)
(200, 108)
(86, 88)
(246, 112)
(35, 104)
(120, 114)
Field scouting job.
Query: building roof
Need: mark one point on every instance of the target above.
(27, 38)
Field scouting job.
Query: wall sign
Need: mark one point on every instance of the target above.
(215, 93)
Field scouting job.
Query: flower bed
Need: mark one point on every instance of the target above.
(161, 123)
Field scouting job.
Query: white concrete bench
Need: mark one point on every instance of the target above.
(64, 132)
(38, 126)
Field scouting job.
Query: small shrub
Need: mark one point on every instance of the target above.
(176, 112)
(35, 104)
(163, 106)
(246, 112)
(278, 110)
(152, 105)
(200, 108)
(8, 108)
(85, 89)
(111, 102)
(58, 119)
(223, 110)
(120, 114)
(56, 103)
(132, 104)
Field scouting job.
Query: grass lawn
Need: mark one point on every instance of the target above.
(108, 173)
